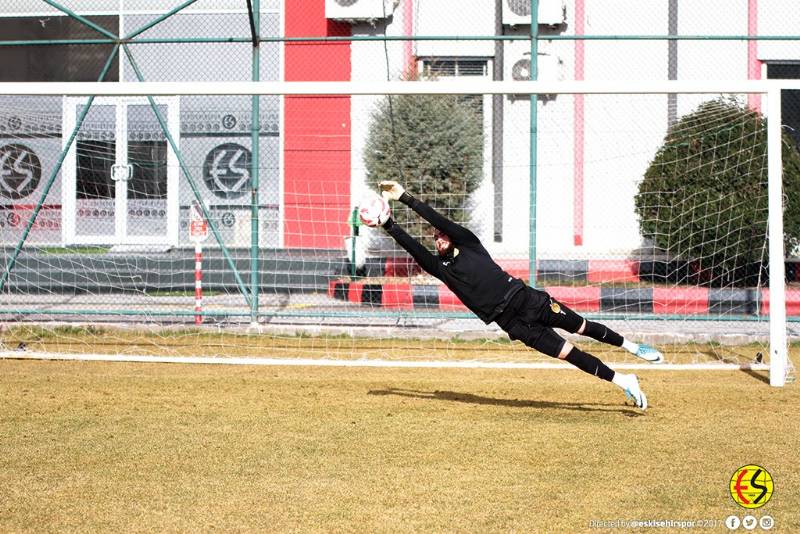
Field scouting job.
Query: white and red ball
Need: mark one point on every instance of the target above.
(374, 211)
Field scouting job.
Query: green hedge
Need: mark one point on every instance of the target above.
(433, 145)
(704, 196)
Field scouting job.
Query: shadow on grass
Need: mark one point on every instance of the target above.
(469, 398)
(758, 375)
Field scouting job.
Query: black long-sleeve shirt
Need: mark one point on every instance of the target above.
(472, 275)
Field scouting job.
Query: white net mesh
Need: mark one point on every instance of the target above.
(658, 230)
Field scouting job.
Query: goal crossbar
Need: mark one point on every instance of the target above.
(392, 87)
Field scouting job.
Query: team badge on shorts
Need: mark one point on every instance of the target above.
(555, 306)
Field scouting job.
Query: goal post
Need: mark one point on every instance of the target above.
(777, 277)
(666, 238)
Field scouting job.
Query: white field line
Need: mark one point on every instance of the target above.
(422, 364)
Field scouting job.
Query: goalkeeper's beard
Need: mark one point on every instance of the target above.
(443, 246)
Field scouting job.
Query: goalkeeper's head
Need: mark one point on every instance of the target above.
(444, 245)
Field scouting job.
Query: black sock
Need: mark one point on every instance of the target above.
(589, 364)
(602, 333)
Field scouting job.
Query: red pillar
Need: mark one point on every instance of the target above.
(316, 152)
(753, 64)
(578, 126)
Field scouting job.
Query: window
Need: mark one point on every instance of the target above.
(790, 100)
(449, 67)
(440, 67)
(55, 63)
(434, 67)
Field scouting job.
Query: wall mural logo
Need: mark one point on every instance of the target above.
(20, 171)
(229, 122)
(14, 123)
(228, 219)
(227, 170)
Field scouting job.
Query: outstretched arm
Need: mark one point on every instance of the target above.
(423, 257)
(394, 191)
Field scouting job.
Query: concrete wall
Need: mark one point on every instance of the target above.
(585, 193)
(592, 151)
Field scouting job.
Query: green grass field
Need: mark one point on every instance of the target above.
(169, 447)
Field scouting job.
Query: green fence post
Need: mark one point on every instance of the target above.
(534, 119)
(255, 127)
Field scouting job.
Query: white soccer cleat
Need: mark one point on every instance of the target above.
(634, 393)
(649, 354)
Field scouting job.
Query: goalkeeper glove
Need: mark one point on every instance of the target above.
(391, 190)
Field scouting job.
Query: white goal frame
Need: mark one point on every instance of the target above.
(770, 88)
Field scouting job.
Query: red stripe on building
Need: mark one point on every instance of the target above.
(578, 126)
(354, 293)
(520, 268)
(401, 267)
(753, 64)
(686, 301)
(398, 296)
(332, 284)
(792, 302)
(577, 298)
(316, 195)
(408, 46)
(613, 271)
(448, 301)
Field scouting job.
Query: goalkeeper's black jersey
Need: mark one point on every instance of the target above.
(472, 275)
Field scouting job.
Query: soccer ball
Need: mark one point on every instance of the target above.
(374, 211)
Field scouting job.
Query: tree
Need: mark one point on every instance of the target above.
(703, 199)
(433, 145)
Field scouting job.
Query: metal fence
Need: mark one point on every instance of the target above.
(98, 201)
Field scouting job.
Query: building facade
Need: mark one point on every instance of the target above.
(591, 153)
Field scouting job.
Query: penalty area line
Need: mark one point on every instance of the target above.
(421, 364)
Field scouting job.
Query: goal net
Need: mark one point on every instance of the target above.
(220, 220)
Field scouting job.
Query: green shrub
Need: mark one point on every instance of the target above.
(433, 146)
(703, 199)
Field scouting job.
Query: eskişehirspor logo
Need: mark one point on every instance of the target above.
(751, 486)
(227, 170)
(20, 171)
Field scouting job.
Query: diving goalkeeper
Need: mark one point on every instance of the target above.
(524, 313)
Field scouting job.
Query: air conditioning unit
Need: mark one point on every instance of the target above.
(518, 66)
(358, 10)
(547, 69)
(518, 12)
(521, 70)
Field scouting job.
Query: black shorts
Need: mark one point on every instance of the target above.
(531, 316)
